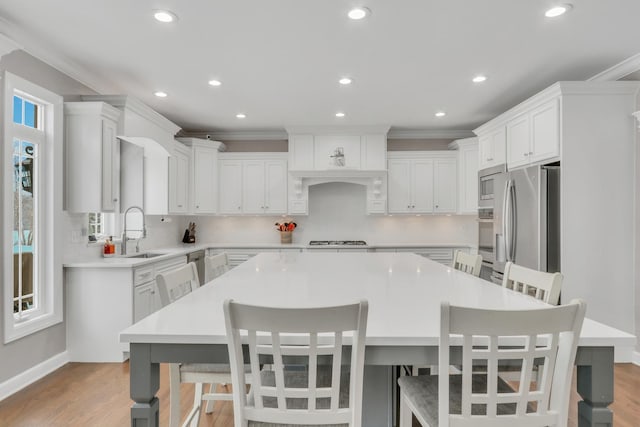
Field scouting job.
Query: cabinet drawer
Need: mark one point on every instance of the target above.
(143, 275)
(172, 264)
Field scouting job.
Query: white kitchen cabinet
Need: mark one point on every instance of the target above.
(492, 147)
(253, 183)
(443, 255)
(237, 256)
(534, 135)
(422, 182)
(92, 174)
(179, 179)
(467, 175)
(102, 301)
(203, 182)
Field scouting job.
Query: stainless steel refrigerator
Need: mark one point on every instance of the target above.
(527, 219)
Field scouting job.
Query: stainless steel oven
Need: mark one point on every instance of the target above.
(486, 241)
(486, 185)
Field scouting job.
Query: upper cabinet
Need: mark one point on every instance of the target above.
(204, 174)
(467, 150)
(253, 183)
(529, 133)
(492, 148)
(422, 182)
(92, 174)
(534, 136)
(179, 179)
(140, 125)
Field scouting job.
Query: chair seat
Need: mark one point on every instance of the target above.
(422, 392)
(298, 378)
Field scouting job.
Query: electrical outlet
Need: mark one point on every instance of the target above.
(76, 236)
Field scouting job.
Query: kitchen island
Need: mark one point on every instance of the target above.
(404, 293)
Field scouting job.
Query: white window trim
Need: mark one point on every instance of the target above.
(50, 216)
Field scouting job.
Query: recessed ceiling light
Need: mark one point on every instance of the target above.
(339, 114)
(165, 16)
(160, 94)
(358, 13)
(241, 115)
(345, 81)
(479, 78)
(558, 10)
(215, 82)
(441, 114)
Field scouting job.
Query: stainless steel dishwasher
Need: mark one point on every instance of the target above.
(197, 257)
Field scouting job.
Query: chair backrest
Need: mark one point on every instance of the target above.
(547, 335)
(175, 284)
(467, 262)
(307, 337)
(538, 284)
(215, 265)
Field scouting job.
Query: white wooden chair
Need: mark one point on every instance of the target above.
(467, 262)
(312, 339)
(489, 336)
(174, 285)
(538, 284)
(215, 266)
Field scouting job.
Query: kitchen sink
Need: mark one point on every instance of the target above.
(143, 255)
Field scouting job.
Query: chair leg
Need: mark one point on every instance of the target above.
(174, 395)
(210, 403)
(197, 403)
(405, 413)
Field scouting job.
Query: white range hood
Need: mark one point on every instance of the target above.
(353, 155)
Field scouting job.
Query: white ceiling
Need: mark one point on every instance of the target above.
(280, 61)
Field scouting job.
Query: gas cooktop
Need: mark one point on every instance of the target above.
(337, 243)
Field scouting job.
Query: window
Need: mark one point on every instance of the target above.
(32, 267)
(96, 225)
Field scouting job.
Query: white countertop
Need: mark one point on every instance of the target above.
(404, 293)
(183, 249)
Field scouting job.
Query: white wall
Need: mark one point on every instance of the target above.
(337, 211)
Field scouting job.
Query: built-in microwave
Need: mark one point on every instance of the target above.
(486, 185)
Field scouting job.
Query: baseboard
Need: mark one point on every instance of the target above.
(636, 358)
(20, 381)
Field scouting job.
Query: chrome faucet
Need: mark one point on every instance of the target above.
(123, 249)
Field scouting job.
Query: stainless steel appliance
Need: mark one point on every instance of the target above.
(486, 241)
(486, 185)
(526, 224)
(197, 257)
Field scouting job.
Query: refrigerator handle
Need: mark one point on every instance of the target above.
(513, 234)
(505, 220)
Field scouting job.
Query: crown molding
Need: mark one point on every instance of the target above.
(619, 70)
(243, 135)
(428, 134)
(7, 45)
(53, 57)
(337, 130)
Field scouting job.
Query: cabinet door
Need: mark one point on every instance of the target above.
(422, 186)
(230, 190)
(178, 182)
(518, 139)
(545, 132)
(485, 147)
(253, 186)
(144, 300)
(468, 180)
(399, 186)
(110, 166)
(204, 180)
(275, 197)
(445, 185)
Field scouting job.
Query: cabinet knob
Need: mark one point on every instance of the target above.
(530, 153)
(413, 206)
(197, 206)
(526, 154)
(115, 200)
(489, 159)
(408, 206)
(179, 206)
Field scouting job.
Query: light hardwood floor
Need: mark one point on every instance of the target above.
(97, 394)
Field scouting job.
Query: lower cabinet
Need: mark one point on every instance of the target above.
(237, 256)
(443, 255)
(100, 302)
